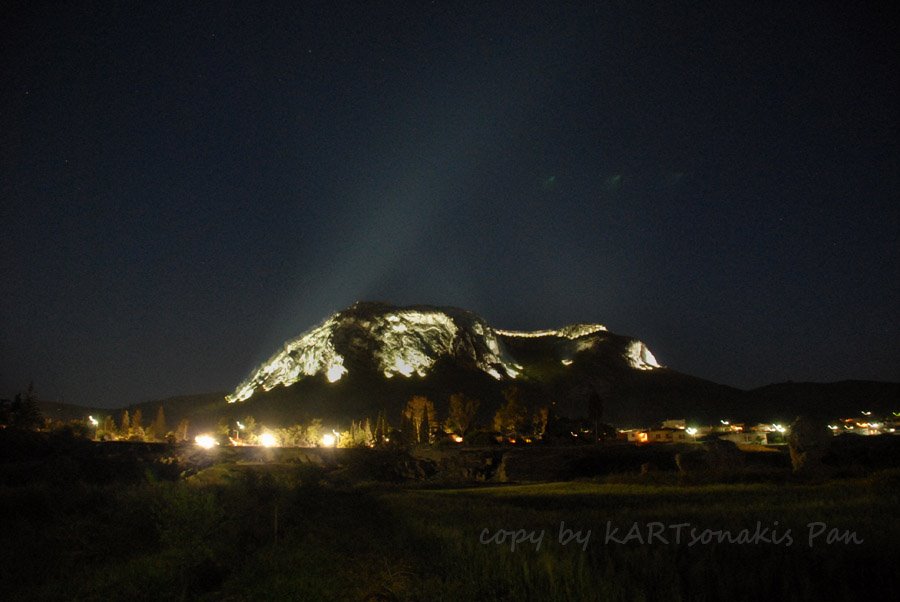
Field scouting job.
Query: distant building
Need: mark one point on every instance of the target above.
(633, 435)
(668, 435)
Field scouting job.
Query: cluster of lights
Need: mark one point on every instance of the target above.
(268, 440)
(206, 441)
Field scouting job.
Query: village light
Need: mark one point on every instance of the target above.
(94, 421)
(240, 425)
(268, 440)
(691, 431)
(328, 440)
(457, 439)
(206, 441)
(778, 428)
(725, 422)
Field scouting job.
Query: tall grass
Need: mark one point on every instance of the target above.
(242, 533)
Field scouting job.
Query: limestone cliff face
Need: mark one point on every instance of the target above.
(406, 342)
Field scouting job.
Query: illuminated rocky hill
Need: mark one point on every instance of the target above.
(408, 342)
(372, 358)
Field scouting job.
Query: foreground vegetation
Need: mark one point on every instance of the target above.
(299, 531)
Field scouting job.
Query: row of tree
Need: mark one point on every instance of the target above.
(131, 427)
(421, 424)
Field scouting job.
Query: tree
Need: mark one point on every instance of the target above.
(461, 414)
(359, 435)
(158, 428)
(181, 432)
(540, 420)
(108, 429)
(512, 415)
(313, 432)
(137, 429)
(382, 428)
(595, 412)
(24, 412)
(423, 430)
(420, 418)
(367, 434)
(125, 424)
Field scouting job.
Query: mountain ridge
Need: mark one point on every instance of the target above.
(407, 340)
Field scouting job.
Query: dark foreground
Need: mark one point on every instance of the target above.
(243, 531)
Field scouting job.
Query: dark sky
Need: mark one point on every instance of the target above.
(183, 185)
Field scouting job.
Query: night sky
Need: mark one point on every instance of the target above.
(183, 186)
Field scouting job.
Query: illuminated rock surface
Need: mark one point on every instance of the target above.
(406, 342)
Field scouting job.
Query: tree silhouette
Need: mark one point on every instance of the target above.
(512, 415)
(23, 412)
(137, 429)
(159, 424)
(420, 418)
(181, 433)
(461, 414)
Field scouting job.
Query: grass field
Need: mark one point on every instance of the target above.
(292, 533)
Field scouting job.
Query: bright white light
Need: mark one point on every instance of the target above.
(328, 440)
(778, 428)
(404, 368)
(725, 422)
(832, 427)
(691, 431)
(566, 362)
(335, 372)
(865, 413)
(457, 439)
(268, 440)
(240, 425)
(206, 441)
(94, 421)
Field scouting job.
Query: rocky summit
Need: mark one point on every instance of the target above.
(409, 342)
